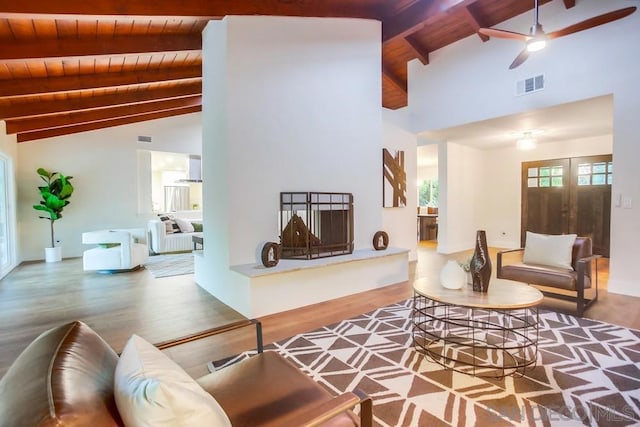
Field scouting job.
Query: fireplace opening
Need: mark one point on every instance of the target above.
(315, 225)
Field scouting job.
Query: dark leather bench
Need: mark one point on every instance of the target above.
(576, 279)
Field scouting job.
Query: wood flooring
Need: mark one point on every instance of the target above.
(37, 296)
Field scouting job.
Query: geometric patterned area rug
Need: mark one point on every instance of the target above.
(587, 373)
(170, 264)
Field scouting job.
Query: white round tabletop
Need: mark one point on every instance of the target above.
(502, 294)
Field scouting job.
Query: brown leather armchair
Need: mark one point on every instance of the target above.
(576, 279)
(65, 377)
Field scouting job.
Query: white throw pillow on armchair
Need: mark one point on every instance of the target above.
(549, 250)
(152, 390)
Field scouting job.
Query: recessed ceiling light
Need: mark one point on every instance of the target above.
(532, 132)
(526, 139)
(526, 143)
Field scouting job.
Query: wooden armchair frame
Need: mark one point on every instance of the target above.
(536, 275)
(311, 405)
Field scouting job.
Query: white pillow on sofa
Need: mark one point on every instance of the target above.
(549, 250)
(152, 390)
(170, 224)
(184, 225)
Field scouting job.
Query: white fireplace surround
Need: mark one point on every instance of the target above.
(255, 290)
(304, 92)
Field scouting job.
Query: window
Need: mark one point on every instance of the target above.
(599, 173)
(548, 176)
(428, 193)
(6, 241)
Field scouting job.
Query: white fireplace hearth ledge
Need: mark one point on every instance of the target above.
(290, 265)
(255, 291)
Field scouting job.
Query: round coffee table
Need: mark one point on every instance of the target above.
(492, 334)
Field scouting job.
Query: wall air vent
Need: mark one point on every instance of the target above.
(532, 84)
(144, 139)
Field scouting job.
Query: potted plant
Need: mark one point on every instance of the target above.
(466, 266)
(55, 196)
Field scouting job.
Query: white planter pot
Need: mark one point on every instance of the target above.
(53, 254)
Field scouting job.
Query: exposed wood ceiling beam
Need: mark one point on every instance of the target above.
(417, 16)
(86, 116)
(48, 133)
(30, 109)
(84, 9)
(70, 48)
(393, 79)
(421, 53)
(473, 21)
(78, 79)
(34, 86)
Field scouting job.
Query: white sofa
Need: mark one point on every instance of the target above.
(116, 250)
(162, 242)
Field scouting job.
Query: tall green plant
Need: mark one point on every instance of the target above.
(55, 196)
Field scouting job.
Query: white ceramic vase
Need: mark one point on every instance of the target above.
(452, 276)
(53, 254)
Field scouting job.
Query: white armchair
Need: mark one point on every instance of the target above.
(117, 250)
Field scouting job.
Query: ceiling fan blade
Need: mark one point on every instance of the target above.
(519, 59)
(504, 34)
(593, 22)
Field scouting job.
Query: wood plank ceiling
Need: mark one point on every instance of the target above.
(76, 65)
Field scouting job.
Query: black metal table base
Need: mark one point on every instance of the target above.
(489, 343)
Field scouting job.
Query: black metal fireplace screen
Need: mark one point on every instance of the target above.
(316, 225)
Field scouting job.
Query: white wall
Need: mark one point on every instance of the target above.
(303, 116)
(9, 149)
(472, 79)
(400, 223)
(289, 104)
(104, 166)
(461, 183)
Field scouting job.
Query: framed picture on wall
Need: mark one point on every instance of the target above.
(394, 180)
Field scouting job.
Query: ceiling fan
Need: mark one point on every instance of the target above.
(537, 38)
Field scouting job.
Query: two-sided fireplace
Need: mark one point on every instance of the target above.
(315, 225)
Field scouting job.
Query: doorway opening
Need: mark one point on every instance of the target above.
(172, 185)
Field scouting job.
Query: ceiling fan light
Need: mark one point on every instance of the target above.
(536, 44)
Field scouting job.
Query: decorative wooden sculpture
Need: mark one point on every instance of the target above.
(296, 234)
(270, 254)
(380, 240)
(394, 183)
(480, 265)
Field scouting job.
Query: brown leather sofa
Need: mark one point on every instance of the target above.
(576, 279)
(65, 377)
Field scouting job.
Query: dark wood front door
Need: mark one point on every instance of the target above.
(563, 196)
(545, 197)
(590, 200)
